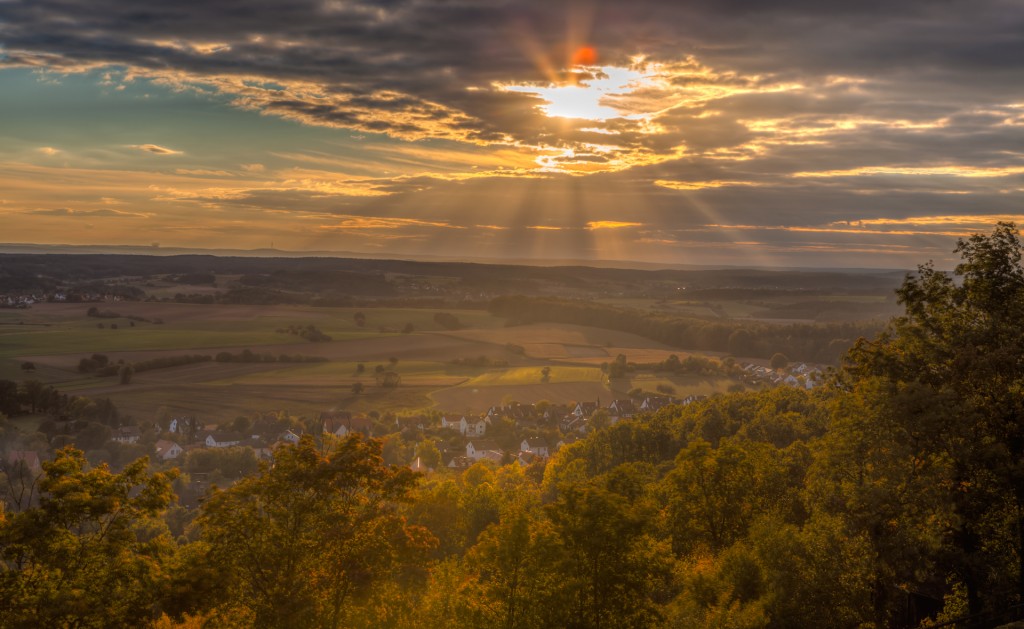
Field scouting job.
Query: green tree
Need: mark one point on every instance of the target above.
(357, 388)
(125, 374)
(610, 564)
(946, 381)
(428, 454)
(778, 361)
(91, 553)
(517, 579)
(307, 542)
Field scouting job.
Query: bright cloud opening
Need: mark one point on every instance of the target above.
(586, 98)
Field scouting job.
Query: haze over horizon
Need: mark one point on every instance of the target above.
(706, 133)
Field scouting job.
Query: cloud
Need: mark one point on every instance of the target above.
(49, 151)
(67, 212)
(785, 115)
(156, 149)
(592, 225)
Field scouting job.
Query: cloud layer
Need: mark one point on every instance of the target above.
(795, 131)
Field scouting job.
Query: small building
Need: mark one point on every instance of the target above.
(535, 445)
(222, 439)
(290, 436)
(477, 449)
(127, 434)
(586, 409)
(342, 424)
(167, 450)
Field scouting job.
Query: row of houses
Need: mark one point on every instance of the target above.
(800, 375)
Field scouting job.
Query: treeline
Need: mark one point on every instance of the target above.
(249, 356)
(32, 396)
(822, 343)
(100, 363)
(309, 332)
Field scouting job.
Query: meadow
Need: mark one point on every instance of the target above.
(467, 370)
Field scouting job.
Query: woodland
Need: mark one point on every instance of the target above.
(890, 497)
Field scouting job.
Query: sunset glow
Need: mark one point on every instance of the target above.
(194, 128)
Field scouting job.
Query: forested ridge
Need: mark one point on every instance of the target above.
(890, 497)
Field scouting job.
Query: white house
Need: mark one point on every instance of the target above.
(127, 434)
(222, 440)
(290, 436)
(620, 409)
(167, 450)
(536, 445)
(586, 409)
(342, 425)
(467, 427)
(479, 449)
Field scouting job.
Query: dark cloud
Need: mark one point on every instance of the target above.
(772, 114)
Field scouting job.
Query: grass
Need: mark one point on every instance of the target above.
(684, 385)
(61, 334)
(532, 375)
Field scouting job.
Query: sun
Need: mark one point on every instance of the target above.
(587, 89)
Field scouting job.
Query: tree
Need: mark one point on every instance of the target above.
(945, 381)
(609, 566)
(428, 454)
(517, 578)
(28, 366)
(308, 541)
(545, 374)
(359, 318)
(447, 320)
(357, 388)
(408, 329)
(390, 379)
(618, 367)
(125, 374)
(779, 361)
(90, 554)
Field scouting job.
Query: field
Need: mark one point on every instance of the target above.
(490, 370)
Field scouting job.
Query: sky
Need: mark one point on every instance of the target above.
(804, 133)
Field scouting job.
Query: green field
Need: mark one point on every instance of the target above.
(56, 336)
(533, 375)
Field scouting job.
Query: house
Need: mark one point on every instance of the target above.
(460, 463)
(652, 403)
(586, 409)
(573, 423)
(525, 458)
(478, 448)
(535, 445)
(415, 421)
(167, 450)
(341, 424)
(475, 427)
(290, 436)
(621, 409)
(222, 439)
(127, 434)
(28, 458)
(467, 427)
